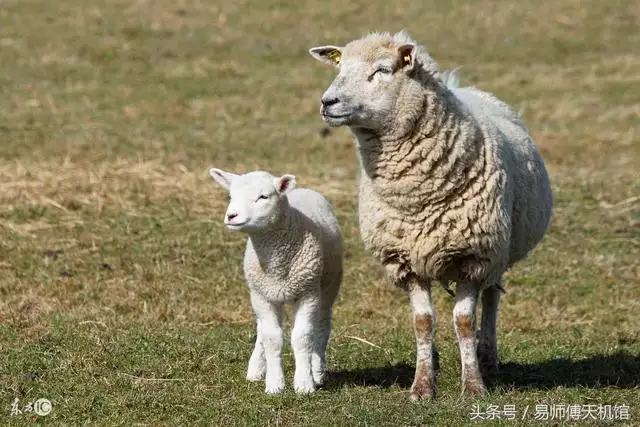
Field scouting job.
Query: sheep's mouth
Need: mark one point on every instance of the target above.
(336, 119)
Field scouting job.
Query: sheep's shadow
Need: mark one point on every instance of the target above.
(621, 370)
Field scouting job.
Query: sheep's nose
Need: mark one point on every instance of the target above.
(326, 102)
(231, 215)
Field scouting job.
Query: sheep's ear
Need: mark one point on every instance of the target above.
(221, 177)
(327, 54)
(285, 183)
(406, 56)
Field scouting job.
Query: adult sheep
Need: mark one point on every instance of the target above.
(452, 188)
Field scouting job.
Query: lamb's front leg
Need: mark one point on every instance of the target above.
(257, 364)
(270, 320)
(464, 324)
(302, 335)
(424, 325)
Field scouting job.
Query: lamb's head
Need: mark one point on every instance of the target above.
(257, 199)
(374, 72)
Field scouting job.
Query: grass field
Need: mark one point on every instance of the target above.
(121, 293)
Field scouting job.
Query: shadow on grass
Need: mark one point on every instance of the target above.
(620, 370)
(385, 377)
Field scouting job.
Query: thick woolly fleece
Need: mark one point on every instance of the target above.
(294, 255)
(452, 189)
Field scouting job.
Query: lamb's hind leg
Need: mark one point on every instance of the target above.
(302, 335)
(487, 346)
(464, 324)
(320, 340)
(424, 322)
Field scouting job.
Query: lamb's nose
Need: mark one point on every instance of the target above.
(326, 102)
(231, 215)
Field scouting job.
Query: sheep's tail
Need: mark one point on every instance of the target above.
(450, 78)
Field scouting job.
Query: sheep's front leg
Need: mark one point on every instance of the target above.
(302, 335)
(487, 346)
(464, 324)
(269, 317)
(424, 325)
(257, 364)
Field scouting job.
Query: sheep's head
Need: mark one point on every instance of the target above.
(257, 199)
(373, 72)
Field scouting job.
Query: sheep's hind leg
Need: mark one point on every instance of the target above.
(257, 364)
(464, 325)
(487, 345)
(424, 322)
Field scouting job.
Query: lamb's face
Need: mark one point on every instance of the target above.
(255, 202)
(370, 79)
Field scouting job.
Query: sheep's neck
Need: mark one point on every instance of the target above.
(425, 160)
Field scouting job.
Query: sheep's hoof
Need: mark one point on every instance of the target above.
(487, 361)
(422, 391)
(474, 388)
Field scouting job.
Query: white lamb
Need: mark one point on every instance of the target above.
(452, 188)
(294, 255)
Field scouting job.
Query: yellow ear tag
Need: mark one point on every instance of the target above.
(335, 56)
(407, 59)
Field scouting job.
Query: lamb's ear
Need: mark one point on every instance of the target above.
(221, 177)
(285, 183)
(407, 56)
(327, 54)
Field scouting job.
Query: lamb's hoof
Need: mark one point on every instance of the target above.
(474, 388)
(305, 385)
(422, 391)
(255, 373)
(274, 387)
(318, 378)
(255, 376)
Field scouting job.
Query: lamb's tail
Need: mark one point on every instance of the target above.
(450, 78)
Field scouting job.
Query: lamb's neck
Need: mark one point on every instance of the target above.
(427, 159)
(277, 246)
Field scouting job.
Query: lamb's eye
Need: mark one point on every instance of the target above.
(263, 197)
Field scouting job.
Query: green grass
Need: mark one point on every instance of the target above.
(121, 293)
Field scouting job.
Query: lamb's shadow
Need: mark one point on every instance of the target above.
(384, 377)
(621, 369)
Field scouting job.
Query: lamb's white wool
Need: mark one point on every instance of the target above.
(452, 187)
(293, 255)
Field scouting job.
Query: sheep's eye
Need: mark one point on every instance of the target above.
(263, 197)
(383, 70)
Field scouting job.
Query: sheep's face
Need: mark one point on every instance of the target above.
(256, 199)
(371, 77)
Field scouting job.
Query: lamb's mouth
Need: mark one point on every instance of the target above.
(236, 225)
